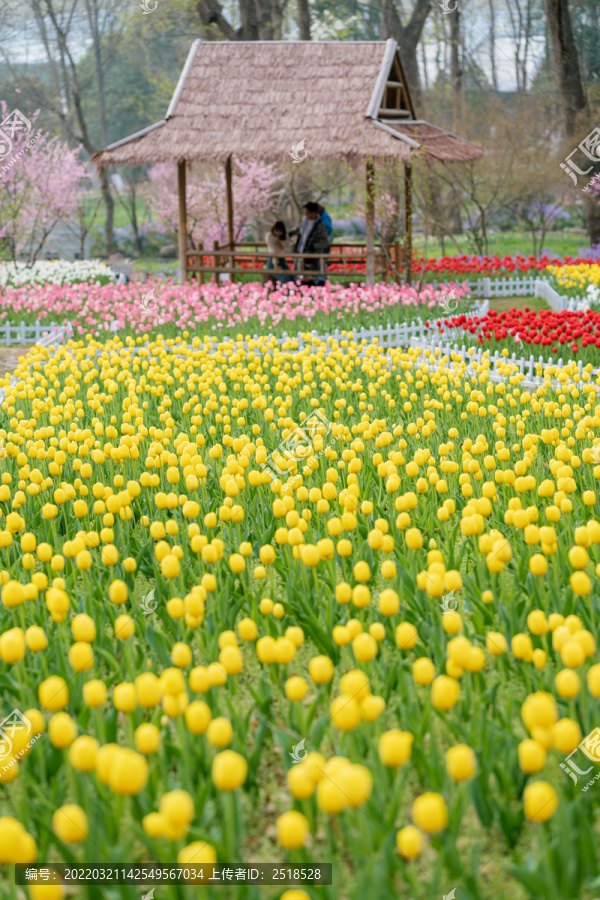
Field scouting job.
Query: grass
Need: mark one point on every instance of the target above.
(506, 243)
(502, 304)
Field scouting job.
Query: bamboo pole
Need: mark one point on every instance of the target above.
(181, 188)
(408, 220)
(370, 220)
(229, 191)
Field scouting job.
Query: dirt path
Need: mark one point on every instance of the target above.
(9, 357)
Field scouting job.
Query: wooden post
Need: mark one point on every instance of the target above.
(201, 274)
(408, 221)
(217, 260)
(182, 222)
(370, 220)
(229, 191)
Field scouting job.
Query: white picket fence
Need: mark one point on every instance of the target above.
(45, 335)
(546, 292)
(529, 368)
(556, 301)
(13, 382)
(527, 286)
(385, 335)
(523, 286)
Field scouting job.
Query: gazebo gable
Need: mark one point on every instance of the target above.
(391, 100)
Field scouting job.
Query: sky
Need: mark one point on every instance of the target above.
(25, 47)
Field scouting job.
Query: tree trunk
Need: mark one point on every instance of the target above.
(249, 20)
(527, 42)
(92, 11)
(493, 45)
(265, 20)
(566, 63)
(109, 205)
(210, 12)
(592, 220)
(456, 71)
(277, 17)
(303, 20)
(454, 218)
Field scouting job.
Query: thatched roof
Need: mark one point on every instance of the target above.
(259, 99)
(438, 144)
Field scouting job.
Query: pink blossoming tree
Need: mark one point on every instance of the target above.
(255, 191)
(39, 184)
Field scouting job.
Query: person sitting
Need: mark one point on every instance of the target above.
(278, 244)
(312, 239)
(326, 220)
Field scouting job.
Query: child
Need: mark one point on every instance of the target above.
(278, 244)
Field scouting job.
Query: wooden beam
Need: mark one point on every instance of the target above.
(408, 220)
(388, 112)
(182, 222)
(370, 220)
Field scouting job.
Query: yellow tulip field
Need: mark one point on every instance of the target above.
(330, 605)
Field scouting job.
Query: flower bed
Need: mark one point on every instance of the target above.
(475, 267)
(574, 280)
(138, 308)
(563, 333)
(482, 266)
(55, 272)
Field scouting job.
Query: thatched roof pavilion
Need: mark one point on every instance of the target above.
(259, 99)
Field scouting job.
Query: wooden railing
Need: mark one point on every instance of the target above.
(249, 257)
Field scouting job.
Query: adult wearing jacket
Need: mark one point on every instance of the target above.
(326, 220)
(312, 239)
